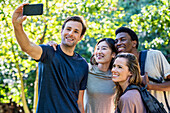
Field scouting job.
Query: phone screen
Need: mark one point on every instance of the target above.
(33, 9)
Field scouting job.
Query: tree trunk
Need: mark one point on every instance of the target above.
(25, 106)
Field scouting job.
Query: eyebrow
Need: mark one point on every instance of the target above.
(71, 27)
(121, 37)
(103, 46)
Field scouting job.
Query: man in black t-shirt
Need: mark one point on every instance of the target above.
(62, 73)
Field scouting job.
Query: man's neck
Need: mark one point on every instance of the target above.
(67, 50)
(136, 53)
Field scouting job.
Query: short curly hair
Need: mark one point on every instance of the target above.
(130, 32)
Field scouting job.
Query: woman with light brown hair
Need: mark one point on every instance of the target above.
(125, 72)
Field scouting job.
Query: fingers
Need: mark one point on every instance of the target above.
(53, 44)
(25, 4)
(50, 43)
(54, 47)
(146, 76)
(145, 79)
(17, 17)
(19, 9)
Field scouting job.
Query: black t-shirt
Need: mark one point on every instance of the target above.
(60, 79)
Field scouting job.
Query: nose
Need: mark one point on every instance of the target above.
(99, 51)
(113, 70)
(71, 33)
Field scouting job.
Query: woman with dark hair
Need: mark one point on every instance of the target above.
(126, 71)
(99, 94)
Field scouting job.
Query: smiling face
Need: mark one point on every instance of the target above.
(71, 33)
(123, 43)
(120, 71)
(103, 53)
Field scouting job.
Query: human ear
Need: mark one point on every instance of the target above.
(113, 55)
(81, 37)
(130, 74)
(134, 43)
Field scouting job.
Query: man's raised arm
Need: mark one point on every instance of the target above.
(30, 48)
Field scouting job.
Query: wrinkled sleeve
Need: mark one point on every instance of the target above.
(163, 64)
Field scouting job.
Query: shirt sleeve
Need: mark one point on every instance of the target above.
(163, 64)
(46, 54)
(84, 80)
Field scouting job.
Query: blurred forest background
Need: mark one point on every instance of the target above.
(150, 19)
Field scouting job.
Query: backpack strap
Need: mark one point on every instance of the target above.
(142, 58)
(118, 110)
(130, 87)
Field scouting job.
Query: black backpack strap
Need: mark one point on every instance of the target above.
(130, 87)
(142, 58)
(118, 110)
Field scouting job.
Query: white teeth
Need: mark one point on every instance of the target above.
(99, 55)
(115, 75)
(121, 48)
(70, 39)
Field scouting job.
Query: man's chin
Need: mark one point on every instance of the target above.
(68, 44)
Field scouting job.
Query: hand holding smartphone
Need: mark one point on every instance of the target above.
(33, 9)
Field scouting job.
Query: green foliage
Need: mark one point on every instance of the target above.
(149, 18)
(153, 26)
(132, 7)
(100, 17)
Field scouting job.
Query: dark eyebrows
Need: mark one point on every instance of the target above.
(71, 27)
(122, 37)
(103, 46)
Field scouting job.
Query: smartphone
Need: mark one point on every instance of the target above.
(33, 9)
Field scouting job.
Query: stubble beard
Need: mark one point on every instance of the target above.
(66, 44)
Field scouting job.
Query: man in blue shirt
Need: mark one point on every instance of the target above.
(62, 73)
